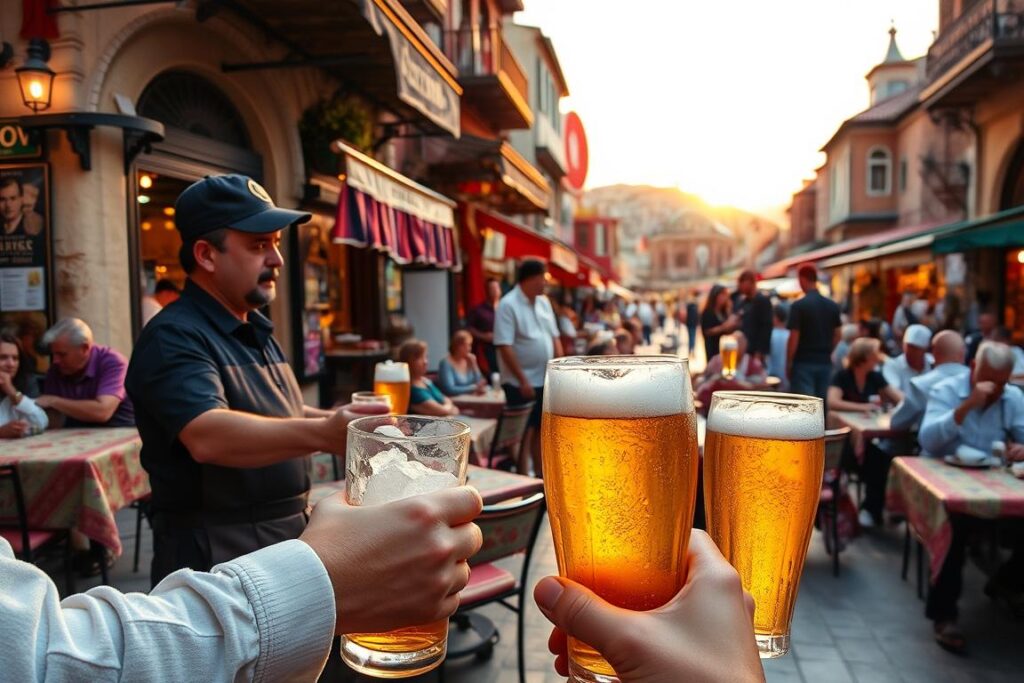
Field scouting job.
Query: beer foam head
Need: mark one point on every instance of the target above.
(769, 415)
(618, 387)
(391, 372)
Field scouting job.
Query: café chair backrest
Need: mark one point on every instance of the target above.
(508, 528)
(508, 435)
(10, 473)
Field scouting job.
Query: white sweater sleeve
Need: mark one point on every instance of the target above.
(267, 616)
(28, 410)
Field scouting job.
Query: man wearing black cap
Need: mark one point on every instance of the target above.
(224, 430)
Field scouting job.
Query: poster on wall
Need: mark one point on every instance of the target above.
(311, 286)
(25, 296)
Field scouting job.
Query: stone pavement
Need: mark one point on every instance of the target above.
(865, 626)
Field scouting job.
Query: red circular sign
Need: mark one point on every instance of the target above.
(577, 156)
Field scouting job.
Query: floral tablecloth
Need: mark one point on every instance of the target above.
(76, 479)
(927, 491)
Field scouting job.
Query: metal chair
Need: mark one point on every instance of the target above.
(831, 491)
(143, 508)
(509, 434)
(33, 544)
(508, 529)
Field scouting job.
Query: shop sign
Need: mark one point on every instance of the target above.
(577, 155)
(494, 245)
(16, 142)
(419, 83)
(564, 258)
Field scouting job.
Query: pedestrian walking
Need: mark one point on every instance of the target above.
(755, 312)
(692, 322)
(814, 323)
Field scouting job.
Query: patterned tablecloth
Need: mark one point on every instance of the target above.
(489, 404)
(864, 428)
(927, 491)
(76, 479)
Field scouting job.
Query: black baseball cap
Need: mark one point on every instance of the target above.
(230, 201)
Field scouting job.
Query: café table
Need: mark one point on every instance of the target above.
(864, 427)
(76, 479)
(927, 491)
(495, 486)
(488, 404)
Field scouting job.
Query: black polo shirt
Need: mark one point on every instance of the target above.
(195, 356)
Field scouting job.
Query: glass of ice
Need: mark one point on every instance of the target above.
(391, 457)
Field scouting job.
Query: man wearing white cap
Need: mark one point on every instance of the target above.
(915, 360)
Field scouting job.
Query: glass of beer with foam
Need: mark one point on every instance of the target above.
(393, 379)
(763, 460)
(391, 457)
(619, 449)
(730, 350)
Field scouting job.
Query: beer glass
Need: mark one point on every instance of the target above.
(619, 449)
(730, 349)
(391, 457)
(393, 379)
(763, 460)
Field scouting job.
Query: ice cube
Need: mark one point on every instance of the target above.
(381, 461)
(402, 479)
(389, 430)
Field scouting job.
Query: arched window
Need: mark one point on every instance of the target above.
(879, 172)
(189, 102)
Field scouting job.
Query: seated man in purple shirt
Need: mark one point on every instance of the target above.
(85, 382)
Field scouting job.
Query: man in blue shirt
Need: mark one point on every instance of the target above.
(974, 411)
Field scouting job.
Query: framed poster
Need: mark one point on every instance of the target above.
(26, 291)
(311, 301)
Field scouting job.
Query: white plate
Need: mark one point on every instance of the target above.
(980, 464)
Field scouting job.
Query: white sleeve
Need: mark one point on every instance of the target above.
(267, 616)
(35, 415)
(939, 431)
(891, 373)
(910, 409)
(504, 324)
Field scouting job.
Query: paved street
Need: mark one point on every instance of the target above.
(865, 626)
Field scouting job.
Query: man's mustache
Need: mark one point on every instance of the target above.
(267, 276)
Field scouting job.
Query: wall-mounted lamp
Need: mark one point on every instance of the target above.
(35, 77)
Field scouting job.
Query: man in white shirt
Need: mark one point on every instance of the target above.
(974, 411)
(526, 336)
(267, 616)
(914, 362)
(1002, 334)
(949, 349)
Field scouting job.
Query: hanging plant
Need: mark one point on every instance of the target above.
(341, 116)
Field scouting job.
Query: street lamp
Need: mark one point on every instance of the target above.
(35, 77)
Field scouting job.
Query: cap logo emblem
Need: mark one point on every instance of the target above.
(258, 191)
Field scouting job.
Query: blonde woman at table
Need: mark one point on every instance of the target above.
(424, 396)
(19, 415)
(458, 373)
(852, 389)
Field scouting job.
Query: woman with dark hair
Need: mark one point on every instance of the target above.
(19, 415)
(717, 319)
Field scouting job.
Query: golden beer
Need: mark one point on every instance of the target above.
(392, 379)
(425, 638)
(763, 461)
(619, 448)
(730, 351)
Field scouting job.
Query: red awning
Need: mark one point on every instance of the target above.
(505, 239)
(381, 209)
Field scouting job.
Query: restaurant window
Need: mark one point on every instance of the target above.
(681, 259)
(903, 175)
(879, 172)
(583, 237)
(159, 242)
(393, 287)
(600, 240)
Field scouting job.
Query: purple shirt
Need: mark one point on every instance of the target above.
(103, 376)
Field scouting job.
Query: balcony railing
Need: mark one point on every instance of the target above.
(482, 52)
(995, 20)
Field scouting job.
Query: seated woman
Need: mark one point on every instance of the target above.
(458, 373)
(19, 415)
(424, 396)
(852, 389)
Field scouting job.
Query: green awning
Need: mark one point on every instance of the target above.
(1001, 230)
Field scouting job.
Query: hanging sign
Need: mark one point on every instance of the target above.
(18, 143)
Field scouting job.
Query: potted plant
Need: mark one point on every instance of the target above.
(341, 116)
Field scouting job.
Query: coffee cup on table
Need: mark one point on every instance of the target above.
(971, 456)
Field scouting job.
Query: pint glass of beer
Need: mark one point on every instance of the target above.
(730, 350)
(391, 457)
(763, 461)
(393, 379)
(619, 445)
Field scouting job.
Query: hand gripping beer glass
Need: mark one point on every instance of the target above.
(763, 461)
(393, 379)
(620, 471)
(390, 458)
(730, 350)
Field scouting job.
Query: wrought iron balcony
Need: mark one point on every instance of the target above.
(987, 26)
(491, 77)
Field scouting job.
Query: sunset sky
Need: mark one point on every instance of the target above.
(728, 100)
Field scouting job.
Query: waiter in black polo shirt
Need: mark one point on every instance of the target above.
(225, 434)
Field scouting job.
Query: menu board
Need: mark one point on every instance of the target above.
(25, 261)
